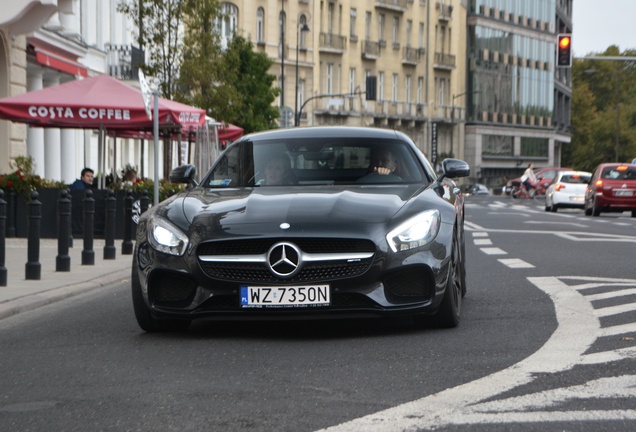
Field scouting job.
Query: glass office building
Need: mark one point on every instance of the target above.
(518, 102)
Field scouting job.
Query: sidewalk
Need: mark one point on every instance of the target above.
(21, 295)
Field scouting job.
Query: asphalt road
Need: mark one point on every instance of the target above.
(544, 344)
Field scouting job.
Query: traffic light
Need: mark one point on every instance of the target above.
(564, 50)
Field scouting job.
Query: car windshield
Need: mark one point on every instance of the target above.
(316, 161)
(619, 173)
(576, 178)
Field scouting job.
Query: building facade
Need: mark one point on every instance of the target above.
(518, 100)
(49, 42)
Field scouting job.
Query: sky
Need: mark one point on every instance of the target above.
(597, 24)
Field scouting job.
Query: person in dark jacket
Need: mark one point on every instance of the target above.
(85, 181)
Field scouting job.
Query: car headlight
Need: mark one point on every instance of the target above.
(415, 232)
(165, 237)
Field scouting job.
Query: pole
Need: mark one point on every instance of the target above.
(296, 117)
(282, 55)
(155, 128)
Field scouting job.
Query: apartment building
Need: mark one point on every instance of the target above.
(325, 50)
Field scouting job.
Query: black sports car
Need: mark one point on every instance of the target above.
(303, 223)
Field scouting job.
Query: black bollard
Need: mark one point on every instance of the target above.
(127, 245)
(11, 205)
(144, 202)
(33, 267)
(63, 259)
(70, 219)
(3, 227)
(88, 254)
(109, 229)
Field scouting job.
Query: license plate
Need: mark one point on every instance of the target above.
(291, 296)
(623, 192)
(576, 198)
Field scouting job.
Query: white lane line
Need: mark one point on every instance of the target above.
(619, 329)
(514, 263)
(611, 294)
(483, 242)
(480, 234)
(609, 356)
(494, 251)
(576, 331)
(615, 310)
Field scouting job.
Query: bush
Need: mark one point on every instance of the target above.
(23, 180)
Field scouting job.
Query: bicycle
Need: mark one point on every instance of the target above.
(519, 191)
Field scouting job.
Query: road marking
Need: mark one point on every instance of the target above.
(480, 234)
(474, 402)
(514, 263)
(494, 251)
(483, 242)
(556, 223)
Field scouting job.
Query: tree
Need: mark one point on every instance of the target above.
(158, 31)
(603, 111)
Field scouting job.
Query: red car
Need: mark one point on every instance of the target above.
(612, 189)
(544, 175)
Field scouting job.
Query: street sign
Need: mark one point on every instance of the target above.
(146, 93)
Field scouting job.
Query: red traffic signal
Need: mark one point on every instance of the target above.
(564, 50)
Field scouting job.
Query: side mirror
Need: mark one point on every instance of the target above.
(183, 174)
(454, 168)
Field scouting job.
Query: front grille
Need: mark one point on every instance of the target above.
(255, 272)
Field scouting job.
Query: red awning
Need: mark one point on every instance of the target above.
(91, 103)
(59, 62)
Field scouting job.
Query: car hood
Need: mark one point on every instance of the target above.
(214, 212)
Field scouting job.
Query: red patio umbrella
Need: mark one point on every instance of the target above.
(93, 103)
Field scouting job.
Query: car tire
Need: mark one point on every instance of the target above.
(554, 208)
(548, 208)
(142, 313)
(587, 210)
(448, 315)
(596, 210)
(634, 213)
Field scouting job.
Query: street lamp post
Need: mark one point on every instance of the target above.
(301, 28)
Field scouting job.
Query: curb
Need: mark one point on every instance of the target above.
(34, 301)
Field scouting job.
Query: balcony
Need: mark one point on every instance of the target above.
(410, 56)
(444, 61)
(370, 50)
(332, 43)
(392, 5)
(124, 61)
(445, 11)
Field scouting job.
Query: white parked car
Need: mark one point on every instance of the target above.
(567, 190)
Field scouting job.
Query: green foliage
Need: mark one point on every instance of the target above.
(603, 112)
(23, 179)
(158, 25)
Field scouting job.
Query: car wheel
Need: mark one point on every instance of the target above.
(449, 312)
(634, 213)
(145, 320)
(587, 210)
(596, 210)
(554, 208)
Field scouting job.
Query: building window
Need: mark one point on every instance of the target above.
(407, 89)
(394, 88)
(409, 29)
(260, 24)
(352, 23)
(396, 30)
(329, 79)
(534, 147)
(420, 89)
(226, 23)
(302, 22)
(352, 80)
(497, 145)
(420, 36)
(381, 27)
(367, 26)
(381, 86)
